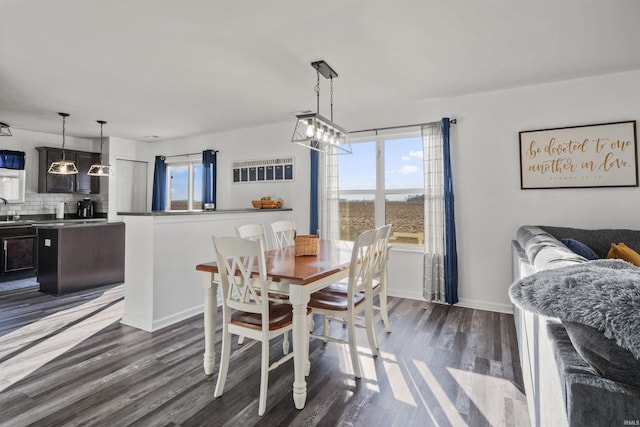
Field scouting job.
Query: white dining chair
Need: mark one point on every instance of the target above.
(256, 232)
(252, 232)
(356, 300)
(379, 276)
(246, 308)
(379, 280)
(284, 233)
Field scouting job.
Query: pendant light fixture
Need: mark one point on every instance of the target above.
(4, 129)
(98, 169)
(63, 167)
(316, 132)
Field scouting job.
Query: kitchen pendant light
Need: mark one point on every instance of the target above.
(63, 167)
(99, 169)
(4, 129)
(316, 132)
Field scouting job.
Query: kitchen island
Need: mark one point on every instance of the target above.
(162, 250)
(79, 255)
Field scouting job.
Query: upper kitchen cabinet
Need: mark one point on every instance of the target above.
(78, 183)
(86, 184)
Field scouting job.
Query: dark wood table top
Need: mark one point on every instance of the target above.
(283, 266)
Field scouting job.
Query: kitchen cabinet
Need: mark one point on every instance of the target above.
(86, 184)
(19, 252)
(80, 183)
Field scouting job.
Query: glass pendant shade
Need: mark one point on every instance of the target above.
(318, 133)
(100, 170)
(4, 130)
(63, 167)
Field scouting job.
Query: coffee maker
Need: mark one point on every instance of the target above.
(86, 208)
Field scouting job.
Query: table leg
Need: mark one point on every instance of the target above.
(210, 319)
(299, 298)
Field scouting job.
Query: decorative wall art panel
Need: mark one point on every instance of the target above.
(266, 170)
(600, 155)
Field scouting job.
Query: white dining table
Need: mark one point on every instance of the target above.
(298, 277)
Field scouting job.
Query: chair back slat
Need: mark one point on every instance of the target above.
(382, 251)
(363, 258)
(236, 260)
(284, 233)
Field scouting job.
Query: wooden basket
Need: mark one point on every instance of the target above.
(267, 203)
(271, 204)
(306, 245)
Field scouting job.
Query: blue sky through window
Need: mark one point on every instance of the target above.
(180, 182)
(403, 165)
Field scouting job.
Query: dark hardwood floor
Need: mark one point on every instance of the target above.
(67, 361)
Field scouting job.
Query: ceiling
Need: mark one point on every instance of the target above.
(176, 68)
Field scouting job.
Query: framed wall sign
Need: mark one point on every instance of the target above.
(600, 155)
(265, 170)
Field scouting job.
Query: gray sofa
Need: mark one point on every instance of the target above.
(561, 387)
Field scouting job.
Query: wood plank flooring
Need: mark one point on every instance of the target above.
(67, 361)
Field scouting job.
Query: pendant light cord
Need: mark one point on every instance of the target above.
(331, 97)
(317, 89)
(101, 124)
(63, 129)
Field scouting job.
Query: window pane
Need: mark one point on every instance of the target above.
(179, 190)
(356, 214)
(357, 171)
(403, 163)
(406, 214)
(197, 186)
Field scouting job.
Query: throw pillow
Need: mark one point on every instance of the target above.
(580, 248)
(622, 251)
(604, 355)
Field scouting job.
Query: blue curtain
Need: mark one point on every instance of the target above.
(313, 191)
(450, 252)
(159, 199)
(12, 159)
(209, 167)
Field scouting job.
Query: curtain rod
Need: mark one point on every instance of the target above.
(189, 154)
(452, 121)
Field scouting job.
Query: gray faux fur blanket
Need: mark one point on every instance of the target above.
(604, 294)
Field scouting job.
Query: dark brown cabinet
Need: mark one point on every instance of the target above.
(19, 253)
(78, 257)
(19, 246)
(80, 183)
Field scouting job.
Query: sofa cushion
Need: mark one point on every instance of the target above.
(622, 251)
(607, 358)
(580, 248)
(598, 240)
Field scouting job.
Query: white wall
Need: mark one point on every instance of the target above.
(264, 142)
(490, 205)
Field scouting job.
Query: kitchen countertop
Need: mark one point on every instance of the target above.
(56, 223)
(217, 211)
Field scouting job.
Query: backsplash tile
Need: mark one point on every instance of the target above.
(45, 203)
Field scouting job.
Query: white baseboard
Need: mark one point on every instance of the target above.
(158, 324)
(462, 302)
(177, 317)
(485, 305)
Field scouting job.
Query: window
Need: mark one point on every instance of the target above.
(382, 182)
(185, 185)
